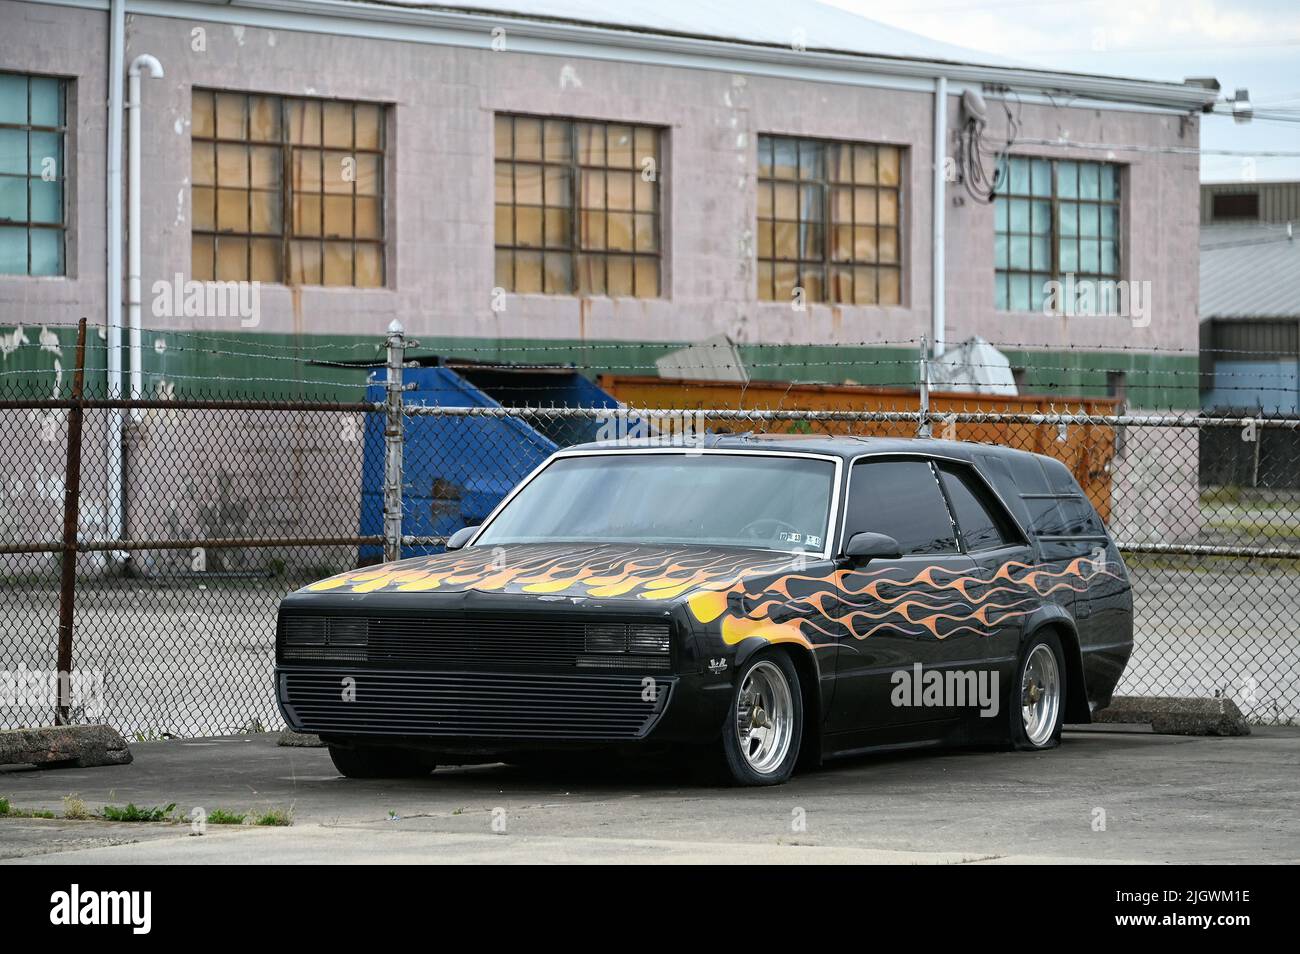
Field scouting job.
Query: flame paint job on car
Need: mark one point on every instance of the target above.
(774, 596)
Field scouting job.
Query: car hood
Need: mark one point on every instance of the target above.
(576, 572)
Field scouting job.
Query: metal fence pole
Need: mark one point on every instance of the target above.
(393, 439)
(71, 515)
(923, 409)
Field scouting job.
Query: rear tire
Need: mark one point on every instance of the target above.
(1037, 697)
(764, 723)
(373, 761)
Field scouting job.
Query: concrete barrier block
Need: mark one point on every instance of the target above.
(1174, 715)
(79, 746)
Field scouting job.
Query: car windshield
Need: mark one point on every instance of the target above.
(764, 501)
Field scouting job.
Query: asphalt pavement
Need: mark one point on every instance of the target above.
(1103, 796)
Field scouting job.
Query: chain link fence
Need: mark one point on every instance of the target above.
(166, 594)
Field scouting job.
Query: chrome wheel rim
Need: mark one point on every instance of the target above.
(1040, 694)
(764, 718)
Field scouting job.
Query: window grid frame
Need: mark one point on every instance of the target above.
(61, 131)
(577, 169)
(287, 150)
(827, 264)
(1004, 274)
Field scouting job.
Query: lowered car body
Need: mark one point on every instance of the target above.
(774, 597)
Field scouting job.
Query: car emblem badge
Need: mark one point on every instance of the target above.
(717, 666)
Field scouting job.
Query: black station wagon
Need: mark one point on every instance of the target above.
(783, 599)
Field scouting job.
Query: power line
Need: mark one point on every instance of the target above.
(1169, 150)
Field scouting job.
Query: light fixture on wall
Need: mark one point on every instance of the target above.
(1242, 110)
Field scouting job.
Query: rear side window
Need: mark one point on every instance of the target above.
(900, 498)
(1047, 498)
(1059, 478)
(1059, 514)
(1079, 519)
(1028, 475)
(980, 519)
(996, 469)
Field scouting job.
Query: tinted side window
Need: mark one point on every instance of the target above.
(996, 469)
(901, 498)
(1028, 474)
(982, 525)
(1046, 516)
(1079, 518)
(1059, 477)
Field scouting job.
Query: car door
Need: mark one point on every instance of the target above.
(894, 612)
(994, 542)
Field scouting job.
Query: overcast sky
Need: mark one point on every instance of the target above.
(1243, 43)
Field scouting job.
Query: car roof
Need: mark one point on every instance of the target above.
(845, 446)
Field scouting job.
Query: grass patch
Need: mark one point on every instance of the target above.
(135, 813)
(1225, 494)
(277, 817)
(75, 808)
(219, 816)
(1255, 529)
(1206, 564)
(9, 810)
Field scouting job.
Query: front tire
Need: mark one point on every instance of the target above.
(1038, 694)
(373, 761)
(764, 724)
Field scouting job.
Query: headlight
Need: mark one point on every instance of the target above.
(638, 638)
(647, 638)
(320, 637)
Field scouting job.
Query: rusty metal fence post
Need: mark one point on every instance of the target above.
(71, 516)
(394, 425)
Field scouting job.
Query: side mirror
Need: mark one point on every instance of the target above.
(460, 538)
(864, 547)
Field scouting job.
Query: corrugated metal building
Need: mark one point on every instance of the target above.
(1239, 202)
(1250, 299)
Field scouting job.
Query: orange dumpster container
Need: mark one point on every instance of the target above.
(1086, 449)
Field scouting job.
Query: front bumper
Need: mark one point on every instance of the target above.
(335, 701)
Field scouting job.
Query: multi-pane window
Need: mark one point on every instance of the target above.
(828, 221)
(1055, 218)
(577, 207)
(287, 190)
(32, 128)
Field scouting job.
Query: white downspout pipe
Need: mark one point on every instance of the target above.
(113, 277)
(142, 62)
(937, 258)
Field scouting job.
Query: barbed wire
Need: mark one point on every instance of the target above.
(1072, 376)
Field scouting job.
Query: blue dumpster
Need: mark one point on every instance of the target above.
(456, 469)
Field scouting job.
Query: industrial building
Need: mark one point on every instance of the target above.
(508, 176)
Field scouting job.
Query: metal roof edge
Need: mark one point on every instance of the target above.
(466, 29)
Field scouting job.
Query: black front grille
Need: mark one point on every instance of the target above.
(472, 705)
(489, 644)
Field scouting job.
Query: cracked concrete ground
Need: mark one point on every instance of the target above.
(1165, 799)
